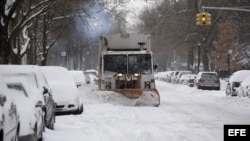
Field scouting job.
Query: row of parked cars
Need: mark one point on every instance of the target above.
(32, 96)
(175, 77)
(202, 80)
(238, 84)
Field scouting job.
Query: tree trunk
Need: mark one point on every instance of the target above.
(205, 58)
(44, 60)
(4, 45)
(45, 51)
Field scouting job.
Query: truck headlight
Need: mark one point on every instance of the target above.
(137, 74)
(119, 74)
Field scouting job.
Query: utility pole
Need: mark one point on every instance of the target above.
(199, 57)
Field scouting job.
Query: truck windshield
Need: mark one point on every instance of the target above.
(133, 63)
(115, 64)
(139, 63)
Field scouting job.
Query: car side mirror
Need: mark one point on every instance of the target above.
(2, 99)
(45, 90)
(39, 104)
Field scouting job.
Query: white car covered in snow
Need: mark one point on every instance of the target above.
(35, 79)
(65, 92)
(9, 115)
(235, 81)
(244, 88)
(29, 107)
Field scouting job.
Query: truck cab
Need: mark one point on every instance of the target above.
(126, 65)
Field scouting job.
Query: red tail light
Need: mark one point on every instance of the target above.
(200, 80)
(233, 85)
(217, 81)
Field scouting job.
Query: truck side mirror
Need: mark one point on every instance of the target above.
(155, 67)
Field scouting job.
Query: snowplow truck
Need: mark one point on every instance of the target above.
(126, 68)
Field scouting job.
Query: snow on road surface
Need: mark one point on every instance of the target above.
(185, 114)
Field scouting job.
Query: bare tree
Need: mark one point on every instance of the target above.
(17, 17)
(227, 43)
(172, 26)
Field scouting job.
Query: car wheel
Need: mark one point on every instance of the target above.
(35, 134)
(17, 134)
(44, 122)
(217, 88)
(227, 91)
(41, 136)
(52, 123)
(49, 122)
(80, 110)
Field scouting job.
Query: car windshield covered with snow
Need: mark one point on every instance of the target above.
(132, 63)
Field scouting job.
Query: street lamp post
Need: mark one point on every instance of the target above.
(199, 57)
(228, 61)
(64, 57)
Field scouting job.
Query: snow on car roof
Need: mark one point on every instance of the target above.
(91, 71)
(17, 68)
(23, 69)
(78, 76)
(246, 81)
(61, 83)
(239, 76)
(211, 72)
(32, 77)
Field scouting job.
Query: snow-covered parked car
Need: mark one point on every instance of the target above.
(91, 76)
(9, 115)
(30, 108)
(244, 88)
(177, 79)
(65, 92)
(79, 77)
(173, 77)
(235, 80)
(188, 79)
(34, 76)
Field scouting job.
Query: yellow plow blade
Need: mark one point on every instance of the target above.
(132, 97)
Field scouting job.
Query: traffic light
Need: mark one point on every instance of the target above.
(203, 19)
(198, 19)
(208, 18)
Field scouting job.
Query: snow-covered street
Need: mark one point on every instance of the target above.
(185, 114)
